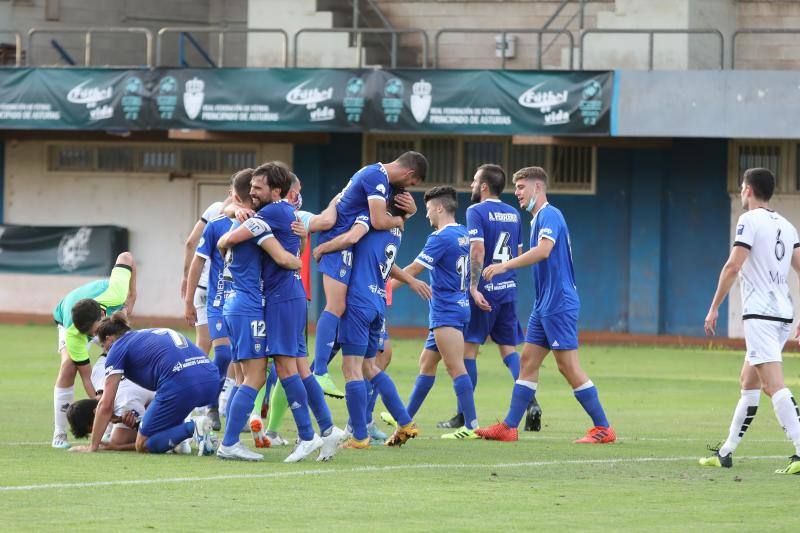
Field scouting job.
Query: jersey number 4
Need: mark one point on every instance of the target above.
(502, 251)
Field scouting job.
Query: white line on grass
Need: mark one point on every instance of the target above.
(360, 469)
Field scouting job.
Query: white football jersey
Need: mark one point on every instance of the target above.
(130, 396)
(212, 212)
(771, 240)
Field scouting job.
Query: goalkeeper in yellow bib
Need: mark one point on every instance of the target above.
(77, 316)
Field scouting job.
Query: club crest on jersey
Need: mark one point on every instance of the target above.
(257, 347)
(219, 326)
(342, 273)
(739, 229)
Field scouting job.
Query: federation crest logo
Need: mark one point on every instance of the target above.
(394, 88)
(167, 85)
(421, 100)
(354, 86)
(74, 249)
(133, 85)
(593, 89)
(193, 97)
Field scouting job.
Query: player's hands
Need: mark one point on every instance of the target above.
(129, 419)
(494, 270)
(710, 324)
(318, 252)
(299, 229)
(190, 313)
(422, 289)
(243, 213)
(479, 300)
(406, 202)
(81, 449)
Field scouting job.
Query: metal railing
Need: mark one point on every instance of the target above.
(221, 33)
(87, 47)
(504, 32)
(17, 46)
(385, 22)
(651, 37)
(760, 31)
(393, 32)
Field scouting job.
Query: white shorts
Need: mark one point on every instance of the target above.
(765, 340)
(62, 338)
(200, 296)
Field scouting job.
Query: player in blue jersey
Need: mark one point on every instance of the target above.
(365, 195)
(164, 361)
(495, 236)
(553, 323)
(362, 326)
(274, 229)
(446, 256)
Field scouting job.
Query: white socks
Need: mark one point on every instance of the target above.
(61, 400)
(742, 418)
(530, 384)
(788, 415)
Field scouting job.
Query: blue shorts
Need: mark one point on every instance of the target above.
(360, 331)
(337, 265)
(248, 335)
(217, 328)
(430, 342)
(453, 315)
(501, 323)
(174, 401)
(286, 325)
(554, 332)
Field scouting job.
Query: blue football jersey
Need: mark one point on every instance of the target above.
(446, 255)
(371, 182)
(246, 296)
(373, 257)
(275, 221)
(218, 287)
(498, 226)
(554, 277)
(151, 357)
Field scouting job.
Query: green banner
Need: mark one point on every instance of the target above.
(484, 102)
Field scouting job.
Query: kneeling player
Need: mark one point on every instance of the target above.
(446, 255)
(164, 361)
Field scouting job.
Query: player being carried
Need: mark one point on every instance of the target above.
(364, 195)
(553, 324)
(77, 316)
(764, 248)
(446, 256)
(164, 361)
(495, 236)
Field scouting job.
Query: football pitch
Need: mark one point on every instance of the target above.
(665, 404)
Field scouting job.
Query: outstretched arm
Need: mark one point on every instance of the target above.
(540, 252)
(422, 289)
(342, 242)
(103, 414)
(413, 270)
(192, 280)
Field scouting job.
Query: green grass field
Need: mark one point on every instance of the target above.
(665, 404)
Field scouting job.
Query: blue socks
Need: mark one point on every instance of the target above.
(391, 399)
(355, 395)
(327, 325)
(372, 398)
(586, 394)
(272, 379)
(164, 441)
(298, 403)
(512, 363)
(241, 405)
(231, 396)
(472, 370)
(316, 401)
(521, 397)
(222, 358)
(422, 386)
(466, 401)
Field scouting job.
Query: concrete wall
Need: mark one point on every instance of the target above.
(158, 213)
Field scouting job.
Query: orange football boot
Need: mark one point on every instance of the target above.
(500, 431)
(598, 435)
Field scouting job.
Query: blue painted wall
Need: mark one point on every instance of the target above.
(647, 246)
(2, 179)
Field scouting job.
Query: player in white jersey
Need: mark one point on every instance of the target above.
(765, 246)
(129, 407)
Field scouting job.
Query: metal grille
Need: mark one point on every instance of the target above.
(442, 155)
(387, 150)
(157, 160)
(572, 168)
(476, 153)
(526, 155)
(115, 159)
(235, 160)
(199, 160)
(759, 156)
(71, 158)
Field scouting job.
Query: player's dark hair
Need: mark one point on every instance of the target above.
(393, 209)
(414, 161)
(85, 313)
(494, 177)
(114, 325)
(531, 173)
(761, 181)
(445, 195)
(277, 176)
(241, 183)
(80, 416)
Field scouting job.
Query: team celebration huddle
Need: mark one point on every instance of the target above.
(155, 391)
